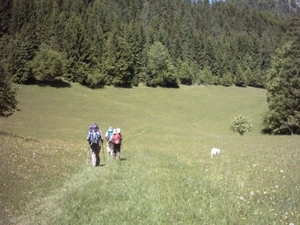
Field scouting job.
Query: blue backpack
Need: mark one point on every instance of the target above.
(109, 133)
(94, 135)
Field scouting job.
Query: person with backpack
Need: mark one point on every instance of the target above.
(94, 138)
(109, 144)
(116, 139)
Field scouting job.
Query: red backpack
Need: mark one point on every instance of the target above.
(116, 138)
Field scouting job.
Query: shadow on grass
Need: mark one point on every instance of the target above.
(100, 165)
(112, 159)
(102, 85)
(4, 133)
(57, 83)
(18, 136)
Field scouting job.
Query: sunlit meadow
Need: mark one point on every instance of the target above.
(166, 175)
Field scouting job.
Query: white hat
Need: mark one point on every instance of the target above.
(118, 130)
(115, 131)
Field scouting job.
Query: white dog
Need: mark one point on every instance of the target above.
(214, 152)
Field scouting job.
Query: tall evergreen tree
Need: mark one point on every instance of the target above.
(5, 14)
(265, 53)
(22, 13)
(57, 23)
(283, 85)
(44, 21)
(8, 93)
(135, 38)
(276, 119)
(77, 48)
(119, 61)
(95, 31)
(24, 42)
(240, 78)
(18, 52)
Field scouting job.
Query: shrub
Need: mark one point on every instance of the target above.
(47, 64)
(241, 124)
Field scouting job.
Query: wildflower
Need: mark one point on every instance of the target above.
(254, 165)
(251, 193)
(276, 186)
(242, 198)
(281, 171)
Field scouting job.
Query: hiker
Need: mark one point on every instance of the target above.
(109, 144)
(116, 139)
(94, 139)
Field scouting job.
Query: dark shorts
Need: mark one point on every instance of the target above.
(117, 148)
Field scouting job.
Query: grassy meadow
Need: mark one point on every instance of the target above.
(166, 175)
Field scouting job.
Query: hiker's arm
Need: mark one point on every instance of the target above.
(88, 138)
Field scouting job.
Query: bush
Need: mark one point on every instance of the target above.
(241, 124)
(47, 64)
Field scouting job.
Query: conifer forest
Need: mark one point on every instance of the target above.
(155, 42)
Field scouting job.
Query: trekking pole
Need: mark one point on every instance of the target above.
(103, 150)
(123, 150)
(107, 147)
(88, 155)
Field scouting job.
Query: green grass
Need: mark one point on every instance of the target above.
(167, 175)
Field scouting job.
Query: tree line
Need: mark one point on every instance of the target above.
(155, 42)
(122, 43)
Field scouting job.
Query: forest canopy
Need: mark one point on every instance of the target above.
(104, 42)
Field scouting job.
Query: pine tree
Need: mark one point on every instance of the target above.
(119, 61)
(5, 14)
(8, 93)
(23, 43)
(44, 21)
(135, 38)
(57, 23)
(240, 78)
(78, 49)
(18, 53)
(283, 85)
(22, 13)
(276, 120)
(94, 30)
